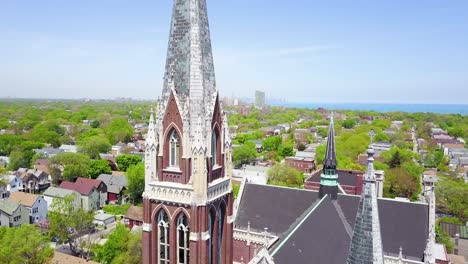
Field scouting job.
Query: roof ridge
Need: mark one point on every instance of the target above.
(299, 221)
(343, 219)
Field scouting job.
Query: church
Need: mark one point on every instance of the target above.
(189, 212)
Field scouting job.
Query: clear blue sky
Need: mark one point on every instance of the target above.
(300, 50)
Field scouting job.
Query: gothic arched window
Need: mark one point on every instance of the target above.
(183, 240)
(210, 240)
(174, 149)
(214, 148)
(220, 232)
(163, 238)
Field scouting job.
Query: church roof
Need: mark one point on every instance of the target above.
(322, 235)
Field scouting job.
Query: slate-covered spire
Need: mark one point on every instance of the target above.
(189, 63)
(330, 154)
(329, 176)
(366, 243)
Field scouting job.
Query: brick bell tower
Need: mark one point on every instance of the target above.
(188, 158)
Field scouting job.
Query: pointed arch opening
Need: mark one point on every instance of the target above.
(174, 149)
(215, 161)
(163, 237)
(221, 214)
(183, 239)
(211, 227)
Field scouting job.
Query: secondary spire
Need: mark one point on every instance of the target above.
(366, 243)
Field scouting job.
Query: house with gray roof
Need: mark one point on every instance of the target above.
(48, 152)
(115, 186)
(53, 193)
(13, 214)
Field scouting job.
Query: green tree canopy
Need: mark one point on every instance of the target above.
(283, 175)
(124, 161)
(400, 183)
(98, 167)
(244, 154)
(121, 247)
(119, 130)
(68, 166)
(452, 197)
(94, 145)
(136, 182)
(24, 244)
(272, 143)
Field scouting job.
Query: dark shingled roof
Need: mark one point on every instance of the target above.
(276, 208)
(322, 236)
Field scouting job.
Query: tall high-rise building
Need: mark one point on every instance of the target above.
(188, 193)
(259, 99)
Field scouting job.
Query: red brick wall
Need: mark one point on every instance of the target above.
(244, 252)
(301, 165)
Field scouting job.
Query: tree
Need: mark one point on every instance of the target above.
(124, 161)
(244, 154)
(301, 147)
(70, 223)
(349, 123)
(382, 137)
(68, 166)
(95, 124)
(452, 197)
(121, 247)
(24, 244)
(20, 159)
(98, 167)
(399, 183)
(94, 145)
(457, 132)
(283, 175)
(8, 143)
(286, 150)
(272, 143)
(136, 182)
(119, 130)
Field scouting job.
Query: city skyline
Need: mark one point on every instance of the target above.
(303, 52)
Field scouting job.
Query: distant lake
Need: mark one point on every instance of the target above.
(410, 108)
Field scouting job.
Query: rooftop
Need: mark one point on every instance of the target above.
(26, 199)
(8, 207)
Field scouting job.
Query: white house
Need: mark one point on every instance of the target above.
(36, 204)
(12, 185)
(58, 193)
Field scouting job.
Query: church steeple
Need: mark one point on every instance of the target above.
(366, 243)
(329, 177)
(188, 158)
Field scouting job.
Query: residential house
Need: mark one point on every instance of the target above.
(42, 165)
(59, 193)
(115, 186)
(32, 180)
(36, 204)
(302, 136)
(258, 145)
(447, 147)
(134, 216)
(13, 214)
(48, 152)
(4, 161)
(100, 186)
(103, 219)
(59, 258)
(11, 185)
(90, 196)
(69, 148)
(306, 165)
